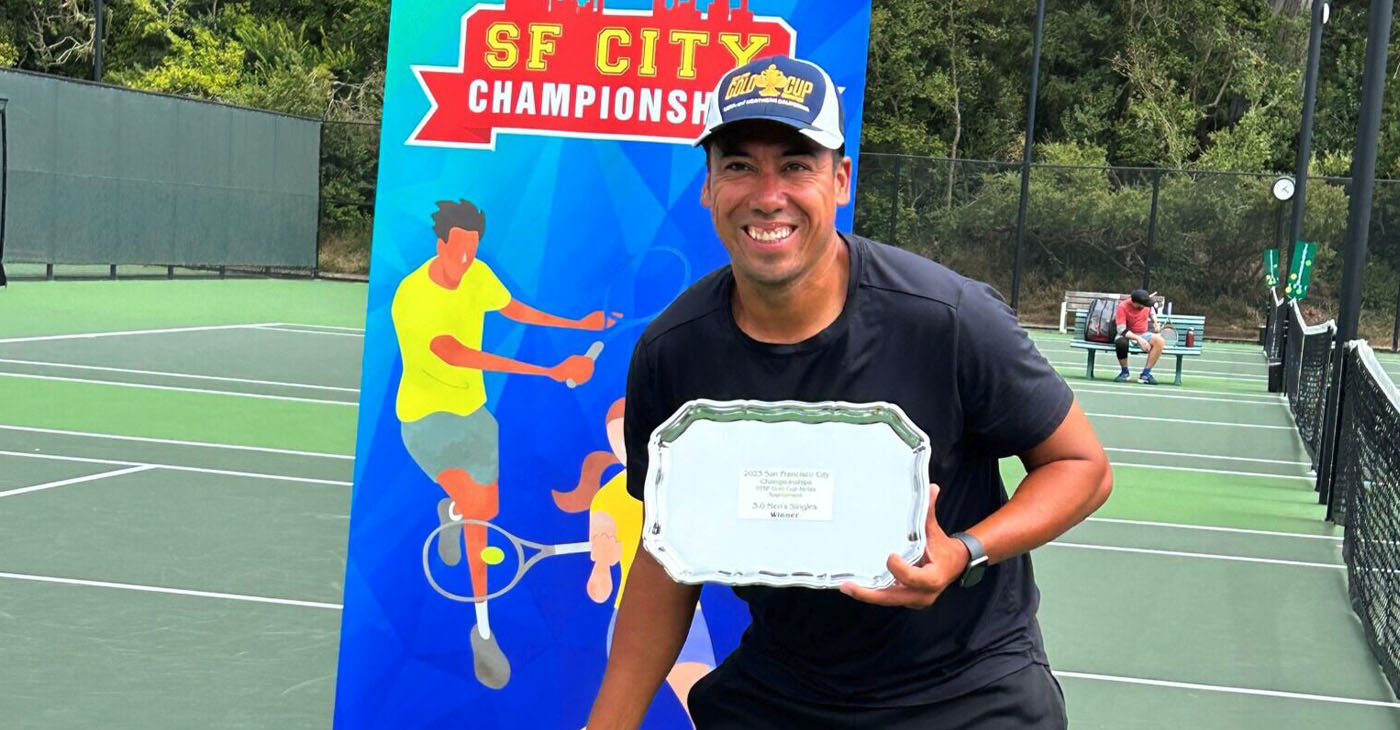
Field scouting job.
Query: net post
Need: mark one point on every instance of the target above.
(1331, 427)
(223, 272)
(1327, 493)
(112, 271)
(48, 271)
(170, 271)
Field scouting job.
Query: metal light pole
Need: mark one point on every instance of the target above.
(1363, 184)
(1300, 174)
(1026, 156)
(97, 44)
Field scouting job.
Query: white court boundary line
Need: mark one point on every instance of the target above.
(205, 391)
(1186, 420)
(170, 591)
(1202, 374)
(159, 373)
(322, 326)
(1212, 528)
(177, 467)
(1137, 391)
(176, 442)
(1224, 689)
(1225, 472)
(124, 333)
(1210, 456)
(1138, 353)
(77, 480)
(285, 328)
(1202, 556)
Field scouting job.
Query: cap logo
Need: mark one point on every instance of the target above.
(770, 83)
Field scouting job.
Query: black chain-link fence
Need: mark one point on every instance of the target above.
(1197, 237)
(1097, 229)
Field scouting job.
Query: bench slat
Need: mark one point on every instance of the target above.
(1182, 322)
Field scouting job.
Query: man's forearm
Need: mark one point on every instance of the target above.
(1041, 509)
(652, 625)
(1065, 482)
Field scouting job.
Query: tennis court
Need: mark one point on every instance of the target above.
(175, 466)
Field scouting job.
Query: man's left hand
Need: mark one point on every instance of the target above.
(918, 586)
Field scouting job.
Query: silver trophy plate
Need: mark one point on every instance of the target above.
(786, 493)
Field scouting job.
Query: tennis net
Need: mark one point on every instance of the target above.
(1307, 367)
(1366, 498)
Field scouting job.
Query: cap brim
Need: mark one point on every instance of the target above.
(825, 139)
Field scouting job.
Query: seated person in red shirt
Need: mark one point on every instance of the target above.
(1132, 317)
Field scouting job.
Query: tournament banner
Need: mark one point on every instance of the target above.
(538, 205)
(1271, 267)
(1300, 274)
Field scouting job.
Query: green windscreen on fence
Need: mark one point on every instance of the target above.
(104, 175)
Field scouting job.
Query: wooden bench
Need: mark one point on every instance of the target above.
(1182, 323)
(1079, 301)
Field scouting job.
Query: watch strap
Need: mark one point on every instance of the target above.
(976, 560)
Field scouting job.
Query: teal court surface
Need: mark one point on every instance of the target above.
(175, 465)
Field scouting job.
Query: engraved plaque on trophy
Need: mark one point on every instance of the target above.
(786, 493)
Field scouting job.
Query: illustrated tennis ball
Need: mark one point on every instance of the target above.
(493, 555)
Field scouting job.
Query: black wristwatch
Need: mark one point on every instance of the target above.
(976, 560)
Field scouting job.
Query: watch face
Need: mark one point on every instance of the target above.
(1283, 188)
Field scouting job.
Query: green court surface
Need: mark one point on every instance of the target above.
(174, 497)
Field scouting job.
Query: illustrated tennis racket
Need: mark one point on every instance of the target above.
(522, 563)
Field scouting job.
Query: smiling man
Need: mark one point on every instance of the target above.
(806, 313)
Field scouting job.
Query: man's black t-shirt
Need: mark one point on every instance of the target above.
(949, 352)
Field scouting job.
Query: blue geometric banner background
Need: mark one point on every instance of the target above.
(518, 471)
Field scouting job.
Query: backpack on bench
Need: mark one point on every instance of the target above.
(1099, 325)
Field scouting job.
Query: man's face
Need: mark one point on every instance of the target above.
(773, 195)
(458, 251)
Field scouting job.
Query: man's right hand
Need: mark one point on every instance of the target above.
(578, 368)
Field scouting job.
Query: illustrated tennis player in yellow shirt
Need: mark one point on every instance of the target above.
(614, 530)
(439, 313)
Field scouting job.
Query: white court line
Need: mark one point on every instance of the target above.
(1209, 528)
(1137, 391)
(175, 442)
(322, 326)
(1199, 470)
(1210, 456)
(1185, 420)
(176, 467)
(1202, 374)
(1228, 690)
(1204, 556)
(168, 330)
(170, 591)
(164, 374)
(1138, 354)
(284, 328)
(77, 480)
(207, 391)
